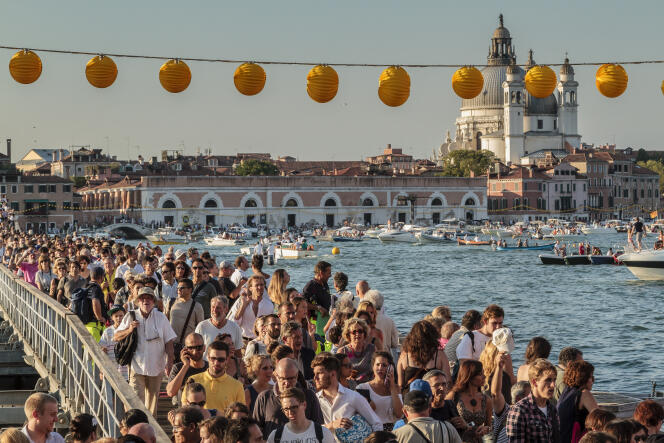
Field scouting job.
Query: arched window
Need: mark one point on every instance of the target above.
(470, 202)
(251, 203)
(291, 203)
(367, 202)
(328, 202)
(211, 203)
(168, 204)
(436, 202)
(478, 141)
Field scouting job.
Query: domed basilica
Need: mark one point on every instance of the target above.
(508, 121)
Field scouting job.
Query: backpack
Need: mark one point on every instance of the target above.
(455, 371)
(317, 427)
(81, 304)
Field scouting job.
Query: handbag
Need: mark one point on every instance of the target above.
(359, 431)
(125, 348)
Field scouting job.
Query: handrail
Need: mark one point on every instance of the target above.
(65, 353)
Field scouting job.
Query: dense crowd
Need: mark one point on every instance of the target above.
(248, 357)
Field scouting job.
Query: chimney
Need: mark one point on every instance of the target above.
(9, 149)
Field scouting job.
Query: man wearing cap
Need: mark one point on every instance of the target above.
(154, 350)
(421, 428)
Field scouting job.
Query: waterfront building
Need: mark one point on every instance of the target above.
(505, 119)
(285, 200)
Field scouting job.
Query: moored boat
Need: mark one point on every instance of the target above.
(602, 260)
(220, 240)
(463, 242)
(340, 238)
(552, 259)
(394, 235)
(290, 252)
(577, 260)
(547, 247)
(431, 236)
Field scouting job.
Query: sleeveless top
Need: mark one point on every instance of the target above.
(253, 395)
(478, 417)
(412, 373)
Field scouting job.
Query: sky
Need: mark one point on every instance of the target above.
(137, 116)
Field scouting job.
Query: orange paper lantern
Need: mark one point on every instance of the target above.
(322, 83)
(101, 71)
(394, 86)
(174, 76)
(25, 66)
(467, 82)
(611, 80)
(249, 78)
(540, 81)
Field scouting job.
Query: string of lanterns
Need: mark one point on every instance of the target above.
(322, 80)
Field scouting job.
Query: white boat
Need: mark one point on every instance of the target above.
(167, 236)
(221, 240)
(373, 233)
(289, 252)
(434, 236)
(397, 236)
(645, 265)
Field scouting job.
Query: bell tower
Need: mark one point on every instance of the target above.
(514, 99)
(568, 106)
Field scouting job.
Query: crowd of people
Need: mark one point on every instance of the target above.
(248, 357)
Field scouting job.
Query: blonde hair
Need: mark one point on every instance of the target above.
(353, 321)
(37, 402)
(362, 306)
(277, 288)
(488, 360)
(539, 367)
(442, 312)
(13, 435)
(254, 364)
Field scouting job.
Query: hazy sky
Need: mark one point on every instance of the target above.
(136, 115)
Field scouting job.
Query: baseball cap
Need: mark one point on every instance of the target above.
(416, 400)
(421, 386)
(503, 340)
(116, 308)
(146, 290)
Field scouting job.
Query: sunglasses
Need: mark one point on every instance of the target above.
(357, 332)
(197, 267)
(290, 408)
(219, 359)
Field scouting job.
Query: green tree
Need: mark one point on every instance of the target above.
(641, 155)
(460, 163)
(655, 166)
(256, 167)
(79, 182)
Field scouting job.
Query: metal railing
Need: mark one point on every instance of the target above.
(62, 350)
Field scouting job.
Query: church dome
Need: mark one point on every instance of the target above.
(541, 106)
(492, 91)
(501, 32)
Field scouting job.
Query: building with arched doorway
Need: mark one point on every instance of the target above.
(281, 201)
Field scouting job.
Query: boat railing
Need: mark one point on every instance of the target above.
(69, 360)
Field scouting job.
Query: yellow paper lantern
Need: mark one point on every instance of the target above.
(101, 71)
(662, 86)
(249, 78)
(540, 81)
(394, 86)
(322, 83)
(611, 80)
(25, 66)
(467, 82)
(174, 76)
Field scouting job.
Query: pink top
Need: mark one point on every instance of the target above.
(29, 272)
(442, 342)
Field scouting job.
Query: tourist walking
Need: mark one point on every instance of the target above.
(421, 428)
(299, 427)
(251, 305)
(420, 354)
(358, 349)
(383, 390)
(219, 324)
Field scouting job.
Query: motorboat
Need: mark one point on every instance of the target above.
(645, 265)
(290, 251)
(462, 242)
(577, 260)
(223, 240)
(552, 259)
(341, 238)
(393, 235)
(167, 236)
(602, 260)
(373, 233)
(547, 247)
(434, 236)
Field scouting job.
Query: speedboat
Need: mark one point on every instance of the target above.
(552, 259)
(373, 233)
(166, 236)
(434, 236)
(645, 265)
(221, 240)
(394, 235)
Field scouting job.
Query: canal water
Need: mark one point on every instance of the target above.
(615, 319)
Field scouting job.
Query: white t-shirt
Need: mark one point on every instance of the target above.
(465, 348)
(308, 436)
(53, 437)
(238, 275)
(210, 332)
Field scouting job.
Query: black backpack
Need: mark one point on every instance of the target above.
(81, 304)
(317, 427)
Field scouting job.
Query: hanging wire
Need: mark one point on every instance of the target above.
(299, 63)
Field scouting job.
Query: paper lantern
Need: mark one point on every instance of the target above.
(540, 81)
(101, 71)
(662, 86)
(467, 82)
(611, 80)
(174, 76)
(394, 86)
(322, 83)
(25, 67)
(249, 78)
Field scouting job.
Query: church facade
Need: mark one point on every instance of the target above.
(505, 119)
